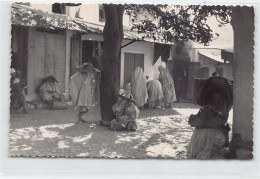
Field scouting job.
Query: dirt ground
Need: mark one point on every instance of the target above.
(162, 133)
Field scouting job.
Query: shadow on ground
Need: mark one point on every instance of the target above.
(162, 133)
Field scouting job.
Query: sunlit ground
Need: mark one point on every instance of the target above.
(162, 133)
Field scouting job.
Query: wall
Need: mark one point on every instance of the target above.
(212, 64)
(90, 13)
(46, 56)
(207, 62)
(227, 70)
(68, 34)
(145, 48)
(46, 7)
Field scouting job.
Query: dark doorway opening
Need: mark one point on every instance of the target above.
(19, 51)
(180, 78)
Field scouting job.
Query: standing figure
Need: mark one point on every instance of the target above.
(155, 93)
(83, 89)
(138, 87)
(126, 113)
(17, 91)
(50, 93)
(167, 86)
(210, 136)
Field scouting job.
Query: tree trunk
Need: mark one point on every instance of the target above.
(113, 34)
(242, 21)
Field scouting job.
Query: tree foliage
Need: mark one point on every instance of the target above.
(171, 23)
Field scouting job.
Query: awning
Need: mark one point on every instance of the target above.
(30, 17)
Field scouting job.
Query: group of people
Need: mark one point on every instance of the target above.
(152, 92)
(137, 94)
(209, 138)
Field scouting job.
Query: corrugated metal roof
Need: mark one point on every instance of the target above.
(27, 16)
(213, 57)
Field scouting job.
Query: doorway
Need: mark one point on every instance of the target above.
(132, 60)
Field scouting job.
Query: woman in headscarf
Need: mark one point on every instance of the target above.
(138, 87)
(211, 129)
(83, 89)
(155, 93)
(167, 86)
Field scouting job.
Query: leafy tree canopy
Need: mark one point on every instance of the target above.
(171, 23)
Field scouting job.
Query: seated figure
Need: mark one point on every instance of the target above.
(126, 113)
(50, 93)
(17, 91)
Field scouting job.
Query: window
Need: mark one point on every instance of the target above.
(59, 8)
(102, 17)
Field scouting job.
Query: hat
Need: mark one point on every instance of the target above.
(51, 78)
(127, 96)
(83, 68)
(12, 70)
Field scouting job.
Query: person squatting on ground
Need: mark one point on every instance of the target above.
(210, 136)
(167, 86)
(155, 93)
(50, 93)
(126, 113)
(17, 92)
(82, 89)
(138, 87)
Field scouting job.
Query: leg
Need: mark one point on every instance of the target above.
(82, 111)
(24, 104)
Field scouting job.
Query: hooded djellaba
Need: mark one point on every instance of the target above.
(83, 88)
(138, 87)
(210, 137)
(167, 86)
(155, 93)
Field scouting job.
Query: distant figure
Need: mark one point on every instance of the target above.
(17, 91)
(211, 131)
(50, 93)
(126, 113)
(155, 93)
(128, 88)
(167, 86)
(214, 74)
(83, 88)
(138, 87)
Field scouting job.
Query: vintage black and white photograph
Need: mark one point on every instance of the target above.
(131, 81)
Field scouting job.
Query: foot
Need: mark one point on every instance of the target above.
(25, 111)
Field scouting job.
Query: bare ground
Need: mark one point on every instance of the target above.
(162, 133)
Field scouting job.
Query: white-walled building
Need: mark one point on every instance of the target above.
(55, 44)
